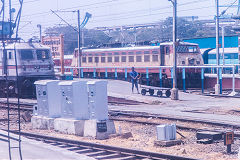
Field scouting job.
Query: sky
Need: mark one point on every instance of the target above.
(109, 12)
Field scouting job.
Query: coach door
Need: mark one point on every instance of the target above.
(162, 59)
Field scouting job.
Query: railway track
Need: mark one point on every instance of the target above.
(102, 152)
(113, 113)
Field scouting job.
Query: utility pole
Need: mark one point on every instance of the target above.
(79, 44)
(174, 91)
(217, 86)
(40, 31)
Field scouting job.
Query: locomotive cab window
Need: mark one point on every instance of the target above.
(42, 54)
(26, 54)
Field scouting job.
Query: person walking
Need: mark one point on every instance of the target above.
(134, 79)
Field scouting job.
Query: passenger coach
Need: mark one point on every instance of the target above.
(188, 54)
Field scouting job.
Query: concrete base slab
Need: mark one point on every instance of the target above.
(167, 143)
(99, 129)
(40, 122)
(69, 126)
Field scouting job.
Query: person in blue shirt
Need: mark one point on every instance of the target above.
(134, 79)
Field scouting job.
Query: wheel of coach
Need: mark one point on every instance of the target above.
(168, 93)
(159, 93)
(151, 92)
(143, 92)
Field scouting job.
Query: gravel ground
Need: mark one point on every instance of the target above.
(144, 137)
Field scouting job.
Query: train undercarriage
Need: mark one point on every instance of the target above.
(26, 86)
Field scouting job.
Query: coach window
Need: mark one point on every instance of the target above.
(155, 58)
(26, 54)
(109, 59)
(139, 52)
(130, 58)
(155, 52)
(138, 58)
(96, 59)
(84, 59)
(146, 52)
(90, 59)
(116, 59)
(103, 59)
(124, 59)
(130, 53)
(146, 58)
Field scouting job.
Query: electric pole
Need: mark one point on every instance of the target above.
(79, 44)
(174, 91)
(217, 86)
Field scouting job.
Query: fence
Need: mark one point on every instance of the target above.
(204, 69)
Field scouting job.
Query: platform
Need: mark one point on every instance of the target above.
(36, 150)
(190, 106)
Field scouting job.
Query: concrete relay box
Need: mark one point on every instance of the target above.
(74, 100)
(98, 100)
(48, 98)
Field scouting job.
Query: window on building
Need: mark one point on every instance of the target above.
(124, 59)
(116, 59)
(124, 53)
(109, 59)
(90, 59)
(130, 53)
(96, 59)
(103, 54)
(138, 58)
(84, 59)
(103, 59)
(116, 53)
(146, 58)
(155, 58)
(130, 58)
(109, 54)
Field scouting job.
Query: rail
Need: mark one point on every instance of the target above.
(232, 70)
(108, 150)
